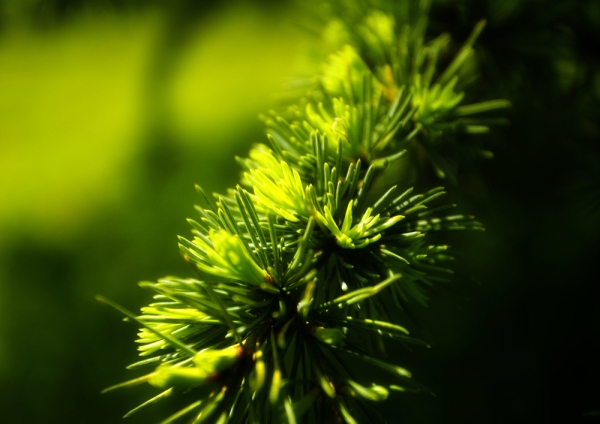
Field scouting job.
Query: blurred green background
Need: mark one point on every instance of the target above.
(110, 112)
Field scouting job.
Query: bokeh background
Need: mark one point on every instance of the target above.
(111, 111)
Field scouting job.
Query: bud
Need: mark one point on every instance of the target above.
(216, 360)
(181, 377)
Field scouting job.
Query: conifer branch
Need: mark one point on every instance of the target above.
(304, 267)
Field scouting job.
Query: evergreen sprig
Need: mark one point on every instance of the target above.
(303, 268)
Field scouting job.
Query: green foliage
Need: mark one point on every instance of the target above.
(384, 85)
(304, 269)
